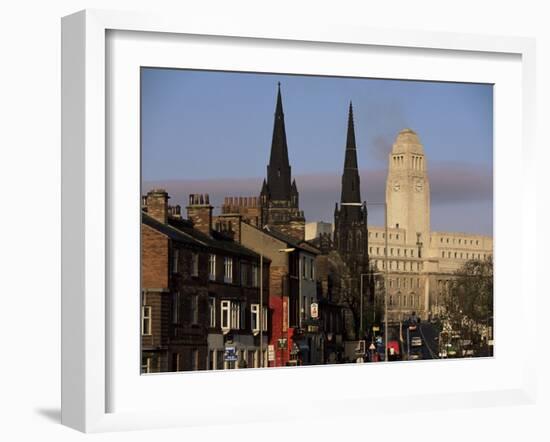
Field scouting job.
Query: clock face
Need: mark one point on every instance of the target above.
(396, 186)
(419, 185)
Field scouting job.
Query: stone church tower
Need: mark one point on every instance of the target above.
(350, 219)
(408, 190)
(279, 194)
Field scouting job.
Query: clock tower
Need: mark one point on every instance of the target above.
(408, 189)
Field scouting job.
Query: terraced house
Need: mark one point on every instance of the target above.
(200, 291)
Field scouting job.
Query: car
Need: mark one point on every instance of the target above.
(416, 341)
(412, 326)
(415, 355)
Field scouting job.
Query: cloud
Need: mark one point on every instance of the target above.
(453, 186)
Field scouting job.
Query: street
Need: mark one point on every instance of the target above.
(429, 335)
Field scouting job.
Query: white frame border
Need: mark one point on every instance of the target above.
(84, 234)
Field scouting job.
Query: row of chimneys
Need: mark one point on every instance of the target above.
(241, 201)
(199, 211)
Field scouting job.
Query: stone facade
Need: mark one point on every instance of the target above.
(420, 262)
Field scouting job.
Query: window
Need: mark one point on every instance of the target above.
(211, 360)
(176, 362)
(391, 300)
(255, 277)
(175, 258)
(212, 267)
(225, 307)
(219, 360)
(304, 261)
(194, 309)
(228, 269)
(176, 306)
(195, 264)
(195, 359)
(146, 365)
(244, 274)
(255, 317)
(212, 309)
(391, 251)
(146, 320)
(242, 319)
(234, 314)
(312, 270)
(443, 254)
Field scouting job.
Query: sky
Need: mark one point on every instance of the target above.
(210, 132)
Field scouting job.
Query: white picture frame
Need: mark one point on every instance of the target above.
(87, 212)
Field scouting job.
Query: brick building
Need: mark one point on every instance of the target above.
(200, 291)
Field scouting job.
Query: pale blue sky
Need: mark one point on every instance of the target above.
(217, 126)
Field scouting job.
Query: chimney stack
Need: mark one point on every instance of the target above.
(157, 205)
(199, 212)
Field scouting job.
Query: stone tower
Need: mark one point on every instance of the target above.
(279, 194)
(408, 190)
(350, 219)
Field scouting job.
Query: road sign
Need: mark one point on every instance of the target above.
(314, 310)
(270, 352)
(230, 354)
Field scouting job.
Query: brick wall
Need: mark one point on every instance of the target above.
(154, 258)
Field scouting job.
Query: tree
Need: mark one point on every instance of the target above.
(345, 292)
(471, 293)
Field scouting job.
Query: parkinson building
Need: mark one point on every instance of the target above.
(420, 262)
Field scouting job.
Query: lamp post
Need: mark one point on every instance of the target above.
(385, 267)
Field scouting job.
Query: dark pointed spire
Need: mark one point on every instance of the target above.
(350, 141)
(264, 188)
(351, 192)
(278, 170)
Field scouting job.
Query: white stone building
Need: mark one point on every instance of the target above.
(420, 262)
(316, 228)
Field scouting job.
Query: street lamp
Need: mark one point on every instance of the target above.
(385, 267)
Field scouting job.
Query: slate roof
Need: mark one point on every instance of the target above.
(183, 231)
(292, 241)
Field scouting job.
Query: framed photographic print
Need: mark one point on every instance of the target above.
(251, 211)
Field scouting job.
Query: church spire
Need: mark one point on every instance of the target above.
(351, 192)
(278, 170)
